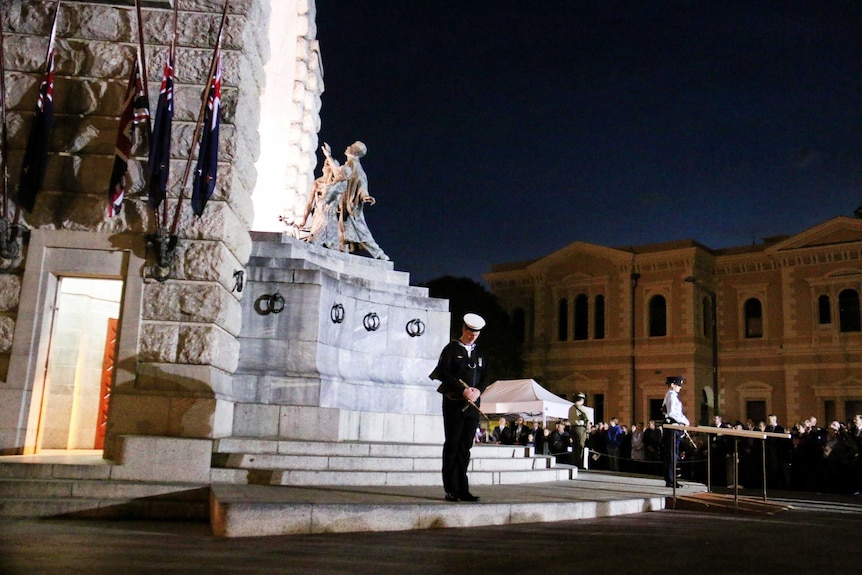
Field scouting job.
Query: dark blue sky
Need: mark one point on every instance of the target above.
(503, 130)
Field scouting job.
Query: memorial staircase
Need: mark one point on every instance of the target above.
(274, 462)
(80, 484)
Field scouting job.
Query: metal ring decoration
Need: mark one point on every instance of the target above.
(415, 327)
(239, 281)
(336, 313)
(371, 321)
(276, 303)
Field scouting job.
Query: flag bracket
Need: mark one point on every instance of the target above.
(165, 253)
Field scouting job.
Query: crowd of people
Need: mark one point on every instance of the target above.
(813, 459)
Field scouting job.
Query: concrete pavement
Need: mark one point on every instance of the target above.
(813, 538)
(816, 532)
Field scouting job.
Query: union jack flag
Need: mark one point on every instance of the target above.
(160, 145)
(36, 153)
(207, 167)
(136, 109)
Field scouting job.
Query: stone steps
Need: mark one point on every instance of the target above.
(357, 448)
(33, 471)
(138, 509)
(274, 462)
(42, 487)
(274, 258)
(103, 499)
(70, 484)
(299, 477)
(256, 510)
(350, 463)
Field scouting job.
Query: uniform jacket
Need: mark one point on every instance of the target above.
(456, 366)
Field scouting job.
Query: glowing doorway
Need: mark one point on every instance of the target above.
(79, 366)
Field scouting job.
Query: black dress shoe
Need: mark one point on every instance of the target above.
(669, 484)
(469, 498)
(452, 498)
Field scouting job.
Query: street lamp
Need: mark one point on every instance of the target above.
(714, 335)
(634, 277)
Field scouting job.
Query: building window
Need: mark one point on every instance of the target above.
(852, 407)
(655, 412)
(563, 320)
(599, 327)
(657, 316)
(519, 325)
(582, 317)
(753, 318)
(755, 410)
(824, 310)
(848, 311)
(598, 404)
(829, 410)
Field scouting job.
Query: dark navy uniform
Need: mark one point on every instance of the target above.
(459, 365)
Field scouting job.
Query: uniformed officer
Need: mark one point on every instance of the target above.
(580, 420)
(672, 409)
(463, 374)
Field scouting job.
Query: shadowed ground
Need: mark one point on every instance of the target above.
(817, 533)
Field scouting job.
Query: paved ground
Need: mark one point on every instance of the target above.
(815, 536)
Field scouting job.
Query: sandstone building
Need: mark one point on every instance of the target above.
(768, 328)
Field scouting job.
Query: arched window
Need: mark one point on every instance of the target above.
(563, 320)
(824, 310)
(753, 311)
(519, 325)
(848, 310)
(582, 317)
(657, 316)
(599, 318)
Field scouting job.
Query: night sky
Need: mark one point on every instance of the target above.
(501, 131)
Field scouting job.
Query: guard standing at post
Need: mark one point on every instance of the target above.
(580, 419)
(463, 374)
(672, 409)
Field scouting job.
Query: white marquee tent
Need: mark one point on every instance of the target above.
(526, 398)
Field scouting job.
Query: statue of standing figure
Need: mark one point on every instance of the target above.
(355, 232)
(324, 205)
(336, 205)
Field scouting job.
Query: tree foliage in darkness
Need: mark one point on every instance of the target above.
(498, 340)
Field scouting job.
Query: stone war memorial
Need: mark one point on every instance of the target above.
(210, 292)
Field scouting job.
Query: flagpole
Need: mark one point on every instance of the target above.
(8, 242)
(142, 58)
(173, 63)
(53, 34)
(4, 142)
(141, 51)
(196, 135)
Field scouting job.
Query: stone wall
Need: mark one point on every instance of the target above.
(187, 347)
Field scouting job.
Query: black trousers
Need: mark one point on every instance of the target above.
(459, 428)
(671, 439)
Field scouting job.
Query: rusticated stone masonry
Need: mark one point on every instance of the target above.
(187, 346)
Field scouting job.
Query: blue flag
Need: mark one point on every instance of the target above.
(36, 154)
(160, 144)
(206, 171)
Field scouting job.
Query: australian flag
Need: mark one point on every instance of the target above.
(136, 109)
(205, 173)
(36, 154)
(160, 144)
